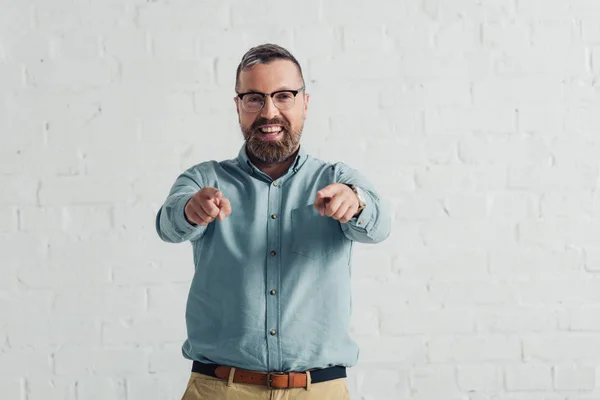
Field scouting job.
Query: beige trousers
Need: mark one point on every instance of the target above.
(203, 387)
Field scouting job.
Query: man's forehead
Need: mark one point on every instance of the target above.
(276, 75)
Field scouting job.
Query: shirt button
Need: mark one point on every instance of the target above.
(273, 292)
(273, 332)
(274, 216)
(275, 183)
(273, 253)
(360, 222)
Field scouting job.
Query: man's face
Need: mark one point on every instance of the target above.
(272, 135)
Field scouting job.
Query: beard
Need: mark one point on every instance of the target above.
(271, 151)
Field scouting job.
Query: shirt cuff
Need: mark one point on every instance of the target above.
(365, 218)
(180, 218)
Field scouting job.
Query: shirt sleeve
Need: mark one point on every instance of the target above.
(171, 224)
(373, 224)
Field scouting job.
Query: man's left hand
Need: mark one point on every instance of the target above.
(337, 201)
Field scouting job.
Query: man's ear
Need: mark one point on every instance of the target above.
(306, 99)
(237, 105)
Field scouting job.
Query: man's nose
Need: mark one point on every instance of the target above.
(269, 111)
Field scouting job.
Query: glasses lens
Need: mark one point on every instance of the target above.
(253, 102)
(284, 100)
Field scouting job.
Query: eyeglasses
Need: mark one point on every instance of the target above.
(282, 99)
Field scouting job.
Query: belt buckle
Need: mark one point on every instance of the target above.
(269, 380)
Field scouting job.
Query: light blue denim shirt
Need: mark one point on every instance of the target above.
(271, 288)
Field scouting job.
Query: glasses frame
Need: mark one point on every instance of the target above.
(265, 95)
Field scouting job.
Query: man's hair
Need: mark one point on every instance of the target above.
(264, 54)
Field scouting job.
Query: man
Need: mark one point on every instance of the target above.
(268, 310)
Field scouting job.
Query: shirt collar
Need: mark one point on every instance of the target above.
(249, 167)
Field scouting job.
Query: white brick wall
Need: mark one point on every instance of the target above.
(478, 120)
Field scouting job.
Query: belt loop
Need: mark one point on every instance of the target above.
(231, 375)
(308, 381)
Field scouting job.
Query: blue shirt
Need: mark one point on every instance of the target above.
(271, 288)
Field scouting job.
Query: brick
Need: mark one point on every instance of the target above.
(167, 299)
(574, 378)
(438, 179)
(514, 205)
(73, 361)
(431, 64)
(558, 233)
(474, 348)
(413, 34)
(464, 122)
(458, 35)
(512, 319)
(371, 265)
(147, 331)
(54, 331)
(447, 264)
(552, 179)
(105, 303)
(471, 292)
(125, 43)
(80, 191)
(584, 319)
(51, 388)
(517, 91)
(248, 14)
(8, 219)
(541, 10)
(405, 350)
(18, 190)
(176, 75)
(81, 46)
(432, 92)
(12, 388)
(478, 378)
(532, 262)
(371, 39)
(592, 259)
(65, 74)
(561, 347)
(590, 31)
(162, 16)
(516, 151)
(336, 12)
(16, 363)
(445, 234)
(12, 75)
(389, 383)
(365, 321)
(167, 359)
(542, 62)
(399, 322)
(546, 290)
(433, 381)
(329, 40)
(528, 377)
(506, 34)
(101, 388)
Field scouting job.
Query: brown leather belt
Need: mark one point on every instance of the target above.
(274, 380)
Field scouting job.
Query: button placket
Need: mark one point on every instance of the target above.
(273, 270)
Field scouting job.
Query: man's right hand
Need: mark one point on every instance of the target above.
(206, 205)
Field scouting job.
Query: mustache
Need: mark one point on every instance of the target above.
(275, 121)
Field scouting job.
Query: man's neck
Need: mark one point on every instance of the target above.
(276, 170)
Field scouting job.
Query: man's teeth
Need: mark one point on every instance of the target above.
(271, 129)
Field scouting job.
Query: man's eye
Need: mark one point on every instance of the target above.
(254, 99)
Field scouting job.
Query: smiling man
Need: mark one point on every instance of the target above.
(272, 230)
